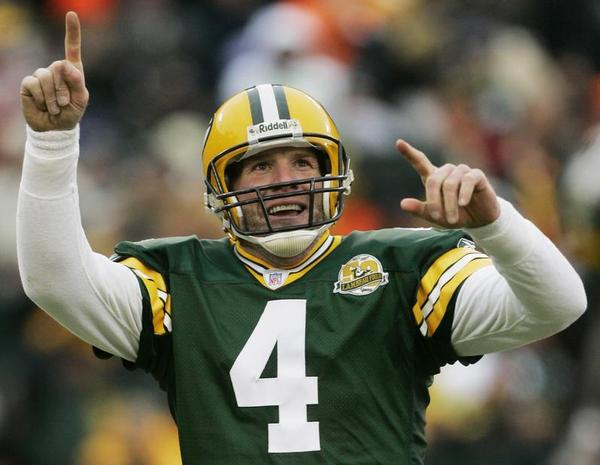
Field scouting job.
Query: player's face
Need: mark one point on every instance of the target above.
(275, 166)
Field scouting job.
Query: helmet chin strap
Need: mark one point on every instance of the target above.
(286, 244)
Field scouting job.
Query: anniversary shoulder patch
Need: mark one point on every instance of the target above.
(361, 275)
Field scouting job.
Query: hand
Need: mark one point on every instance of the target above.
(54, 98)
(456, 196)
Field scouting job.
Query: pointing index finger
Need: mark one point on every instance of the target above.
(73, 40)
(416, 158)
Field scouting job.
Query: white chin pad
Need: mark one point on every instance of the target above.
(287, 244)
(287, 247)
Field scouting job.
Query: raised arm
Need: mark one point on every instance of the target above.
(96, 299)
(530, 293)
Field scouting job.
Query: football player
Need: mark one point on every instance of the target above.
(282, 343)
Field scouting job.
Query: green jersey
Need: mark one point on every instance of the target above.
(326, 363)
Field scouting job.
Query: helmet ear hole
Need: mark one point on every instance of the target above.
(232, 173)
(324, 162)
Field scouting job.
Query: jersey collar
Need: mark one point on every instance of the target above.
(275, 278)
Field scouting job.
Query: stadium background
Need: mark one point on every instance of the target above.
(511, 87)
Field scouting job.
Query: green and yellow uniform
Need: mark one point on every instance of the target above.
(327, 363)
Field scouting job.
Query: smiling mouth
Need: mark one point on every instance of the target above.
(290, 209)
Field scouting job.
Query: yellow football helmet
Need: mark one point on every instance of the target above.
(260, 118)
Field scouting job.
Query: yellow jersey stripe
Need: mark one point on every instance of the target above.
(434, 318)
(418, 314)
(440, 273)
(434, 294)
(437, 269)
(160, 299)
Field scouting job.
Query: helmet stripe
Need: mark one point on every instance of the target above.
(255, 106)
(268, 103)
(281, 101)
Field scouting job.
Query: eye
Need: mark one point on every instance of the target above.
(260, 166)
(306, 162)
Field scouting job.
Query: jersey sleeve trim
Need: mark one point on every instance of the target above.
(439, 284)
(160, 299)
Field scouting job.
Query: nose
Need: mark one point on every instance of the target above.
(283, 172)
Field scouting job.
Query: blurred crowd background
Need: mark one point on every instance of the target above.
(512, 87)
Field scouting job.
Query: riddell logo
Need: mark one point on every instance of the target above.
(274, 126)
(271, 128)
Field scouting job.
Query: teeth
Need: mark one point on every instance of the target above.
(287, 207)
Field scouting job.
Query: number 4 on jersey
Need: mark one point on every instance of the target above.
(282, 324)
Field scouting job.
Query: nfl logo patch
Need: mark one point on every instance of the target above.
(274, 279)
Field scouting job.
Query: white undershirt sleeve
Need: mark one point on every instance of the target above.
(96, 299)
(530, 293)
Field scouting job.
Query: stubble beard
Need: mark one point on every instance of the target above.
(254, 220)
